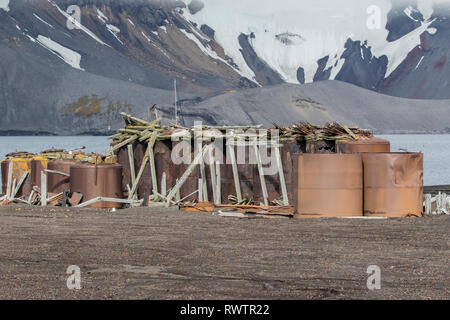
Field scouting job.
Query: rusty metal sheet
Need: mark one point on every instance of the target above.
(363, 144)
(328, 185)
(393, 184)
(57, 183)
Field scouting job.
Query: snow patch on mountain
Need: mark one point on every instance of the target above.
(114, 31)
(43, 21)
(79, 25)
(4, 4)
(71, 57)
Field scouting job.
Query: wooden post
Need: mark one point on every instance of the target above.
(212, 172)
(261, 175)
(163, 184)
(281, 174)
(427, 204)
(237, 183)
(43, 189)
(138, 178)
(10, 174)
(131, 160)
(13, 187)
(177, 194)
(204, 182)
(219, 184)
(200, 190)
(151, 155)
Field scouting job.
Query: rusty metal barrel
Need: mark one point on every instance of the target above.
(57, 183)
(328, 185)
(38, 164)
(102, 180)
(393, 184)
(363, 144)
(20, 165)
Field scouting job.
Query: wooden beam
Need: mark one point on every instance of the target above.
(281, 174)
(218, 183)
(185, 175)
(212, 171)
(57, 172)
(101, 199)
(261, 175)
(43, 189)
(237, 183)
(151, 155)
(131, 161)
(19, 184)
(10, 175)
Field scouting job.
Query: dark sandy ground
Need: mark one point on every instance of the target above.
(166, 254)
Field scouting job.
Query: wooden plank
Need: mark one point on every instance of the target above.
(185, 175)
(13, 187)
(261, 175)
(163, 184)
(57, 172)
(138, 178)
(43, 189)
(123, 143)
(151, 155)
(9, 183)
(101, 199)
(204, 182)
(131, 161)
(237, 183)
(200, 190)
(218, 183)
(212, 171)
(19, 184)
(281, 174)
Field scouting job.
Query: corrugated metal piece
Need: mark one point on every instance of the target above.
(393, 184)
(328, 185)
(102, 180)
(363, 144)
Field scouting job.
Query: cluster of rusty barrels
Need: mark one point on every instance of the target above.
(363, 179)
(90, 180)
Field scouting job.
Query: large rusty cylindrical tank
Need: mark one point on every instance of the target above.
(20, 164)
(328, 185)
(102, 180)
(38, 164)
(393, 184)
(363, 144)
(57, 183)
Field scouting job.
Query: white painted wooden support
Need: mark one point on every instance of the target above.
(19, 184)
(101, 199)
(204, 182)
(427, 204)
(212, 172)
(219, 183)
(237, 183)
(57, 172)
(185, 175)
(200, 190)
(30, 198)
(189, 195)
(281, 174)
(164, 198)
(43, 189)
(151, 154)
(12, 193)
(178, 194)
(9, 183)
(131, 161)
(261, 175)
(55, 197)
(138, 178)
(163, 184)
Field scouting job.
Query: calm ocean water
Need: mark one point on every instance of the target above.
(436, 149)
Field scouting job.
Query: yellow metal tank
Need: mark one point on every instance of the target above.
(328, 185)
(393, 184)
(21, 162)
(363, 144)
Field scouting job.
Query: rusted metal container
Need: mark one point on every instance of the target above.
(38, 164)
(363, 144)
(57, 183)
(328, 185)
(20, 165)
(102, 180)
(393, 184)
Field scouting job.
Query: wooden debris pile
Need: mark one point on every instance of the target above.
(304, 131)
